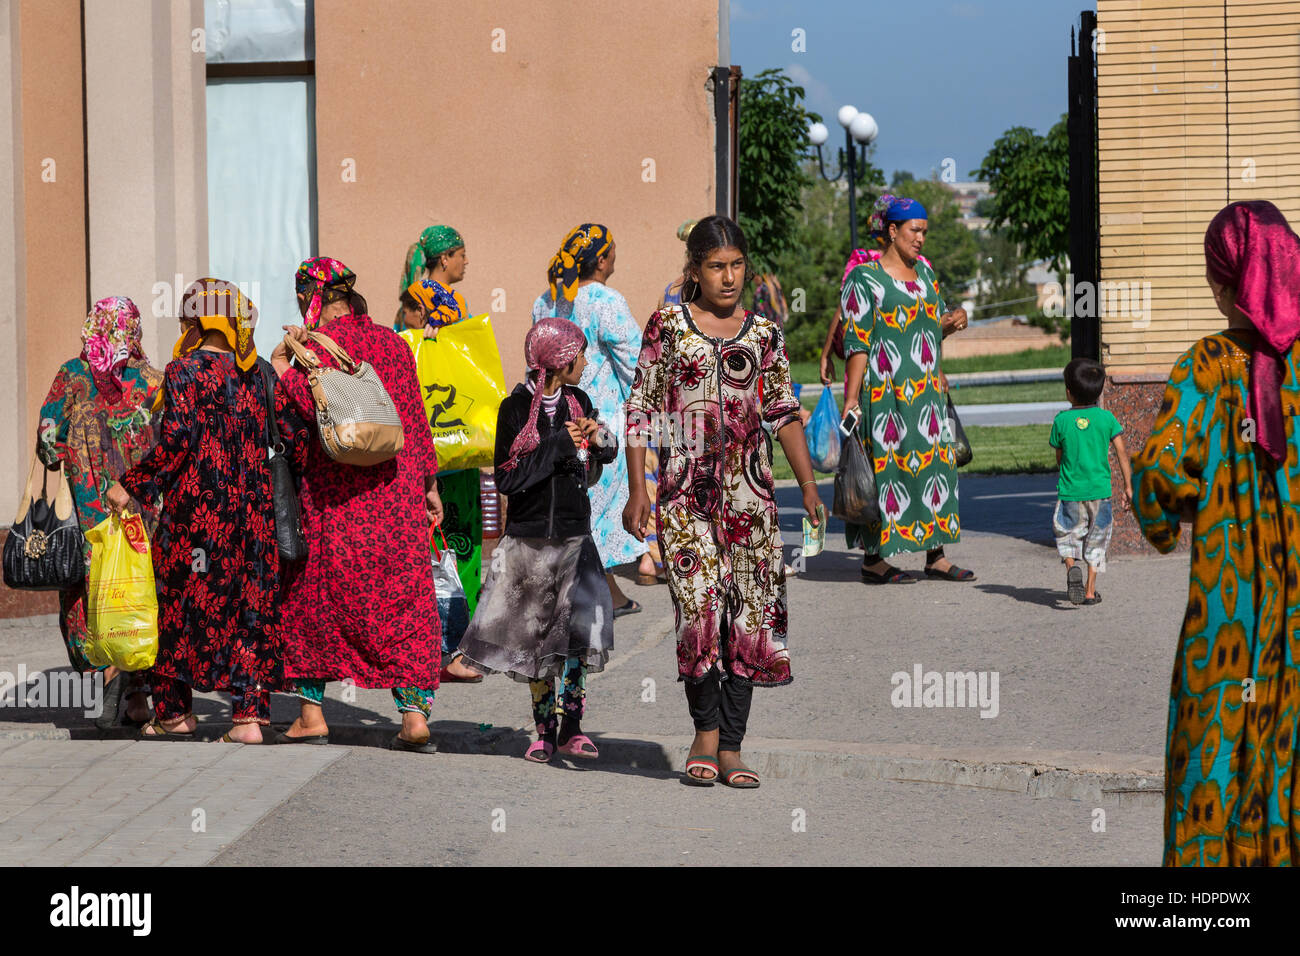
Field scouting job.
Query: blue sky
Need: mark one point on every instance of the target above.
(943, 78)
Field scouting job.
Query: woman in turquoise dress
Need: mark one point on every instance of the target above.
(577, 292)
(897, 320)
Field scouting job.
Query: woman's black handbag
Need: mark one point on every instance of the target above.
(957, 435)
(289, 539)
(856, 501)
(45, 547)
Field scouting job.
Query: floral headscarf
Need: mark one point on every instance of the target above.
(583, 245)
(1251, 247)
(889, 208)
(550, 345)
(314, 277)
(432, 243)
(109, 340)
(439, 302)
(218, 306)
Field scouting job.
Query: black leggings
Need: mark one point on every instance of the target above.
(722, 706)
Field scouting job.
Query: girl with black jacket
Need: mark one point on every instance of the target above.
(546, 611)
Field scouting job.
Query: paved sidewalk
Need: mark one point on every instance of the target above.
(1079, 712)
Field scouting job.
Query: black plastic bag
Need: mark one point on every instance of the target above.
(855, 483)
(957, 435)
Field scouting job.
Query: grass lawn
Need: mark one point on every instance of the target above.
(1005, 450)
(1055, 357)
(1008, 394)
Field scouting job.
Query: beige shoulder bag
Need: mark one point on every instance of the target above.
(355, 415)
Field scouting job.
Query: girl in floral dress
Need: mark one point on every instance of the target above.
(697, 391)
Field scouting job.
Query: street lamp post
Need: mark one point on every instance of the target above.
(859, 128)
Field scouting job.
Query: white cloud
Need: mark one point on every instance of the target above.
(817, 95)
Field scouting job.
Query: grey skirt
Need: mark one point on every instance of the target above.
(545, 601)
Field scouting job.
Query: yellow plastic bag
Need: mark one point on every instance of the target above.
(121, 603)
(462, 385)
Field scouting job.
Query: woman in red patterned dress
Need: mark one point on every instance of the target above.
(362, 605)
(215, 560)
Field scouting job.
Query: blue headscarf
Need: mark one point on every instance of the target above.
(889, 209)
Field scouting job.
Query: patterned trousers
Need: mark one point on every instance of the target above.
(174, 699)
(411, 699)
(573, 697)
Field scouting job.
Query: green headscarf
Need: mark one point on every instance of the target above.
(432, 243)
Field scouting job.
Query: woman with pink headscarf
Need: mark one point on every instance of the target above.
(98, 420)
(546, 611)
(1223, 458)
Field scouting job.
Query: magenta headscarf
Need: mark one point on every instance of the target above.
(551, 344)
(110, 339)
(1250, 246)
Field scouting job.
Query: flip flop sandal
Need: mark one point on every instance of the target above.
(953, 573)
(540, 751)
(894, 576)
(447, 677)
(577, 745)
(1095, 599)
(705, 762)
(162, 733)
(1074, 584)
(408, 746)
(111, 712)
(730, 776)
(284, 738)
(631, 607)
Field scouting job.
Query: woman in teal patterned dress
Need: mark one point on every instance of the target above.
(897, 319)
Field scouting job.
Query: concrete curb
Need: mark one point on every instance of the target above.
(1099, 778)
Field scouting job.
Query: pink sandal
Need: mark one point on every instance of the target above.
(580, 745)
(540, 751)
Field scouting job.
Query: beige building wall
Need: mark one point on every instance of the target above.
(49, 185)
(513, 124)
(145, 135)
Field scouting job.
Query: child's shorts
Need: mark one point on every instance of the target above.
(1083, 530)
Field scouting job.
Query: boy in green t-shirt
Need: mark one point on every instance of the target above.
(1083, 518)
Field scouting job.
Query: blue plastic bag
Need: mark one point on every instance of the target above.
(824, 433)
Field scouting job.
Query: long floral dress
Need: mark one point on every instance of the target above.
(612, 337)
(1230, 794)
(95, 440)
(717, 516)
(362, 604)
(215, 561)
(896, 323)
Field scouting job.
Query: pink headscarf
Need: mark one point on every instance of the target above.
(1250, 246)
(110, 339)
(858, 257)
(551, 344)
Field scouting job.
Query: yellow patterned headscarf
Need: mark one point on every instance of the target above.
(584, 244)
(214, 305)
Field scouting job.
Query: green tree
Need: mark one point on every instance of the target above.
(1030, 178)
(773, 141)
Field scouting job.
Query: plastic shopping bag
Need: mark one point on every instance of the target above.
(121, 603)
(453, 610)
(824, 433)
(856, 500)
(462, 385)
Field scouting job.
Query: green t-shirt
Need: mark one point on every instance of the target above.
(1083, 435)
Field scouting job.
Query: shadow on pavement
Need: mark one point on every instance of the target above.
(1045, 597)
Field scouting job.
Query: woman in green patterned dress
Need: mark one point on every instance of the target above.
(897, 319)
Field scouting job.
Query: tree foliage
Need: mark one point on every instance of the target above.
(773, 141)
(1030, 177)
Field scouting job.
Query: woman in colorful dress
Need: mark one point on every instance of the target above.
(1224, 457)
(897, 319)
(699, 370)
(578, 292)
(434, 263)
(362, 606)
(215, 561)
(98, 420)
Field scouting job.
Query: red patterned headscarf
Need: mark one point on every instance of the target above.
(1250, 246)
(109, 340)
(551, 345)
(315, 277)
